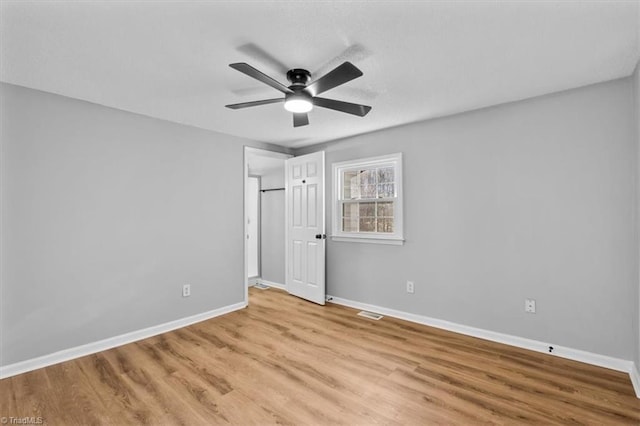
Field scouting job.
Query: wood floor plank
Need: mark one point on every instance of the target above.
(290, 362)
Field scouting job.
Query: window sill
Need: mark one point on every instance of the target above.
(369, 240)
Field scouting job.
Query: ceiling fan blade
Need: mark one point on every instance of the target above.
(339, 75)
(355, 53)
(300, 119)
(255, 52)
(254, 73)
(349, 108)
(254, 103)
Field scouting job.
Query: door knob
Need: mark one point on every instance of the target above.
(321, 236)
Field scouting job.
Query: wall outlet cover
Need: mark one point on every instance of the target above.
(410, 287)
(530, 306)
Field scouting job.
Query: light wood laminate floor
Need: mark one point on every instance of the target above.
(283, 360)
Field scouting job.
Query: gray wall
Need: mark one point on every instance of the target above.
(272, 225)
(105, 215)
(534, 199)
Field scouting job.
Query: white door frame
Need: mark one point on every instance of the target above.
(265, 153)
(258, 235)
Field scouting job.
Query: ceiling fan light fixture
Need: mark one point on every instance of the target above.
(298, 103)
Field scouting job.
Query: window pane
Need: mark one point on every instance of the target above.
(385, 209)
(368, 177)
(351, 186)
(386, 174)
(386, 190)
(367, 209)
(385, 224)
(367, 224)
(350, 209)
(350, 224)
(368, 191)
(350, 217)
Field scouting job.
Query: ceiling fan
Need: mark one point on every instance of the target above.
(301, 97)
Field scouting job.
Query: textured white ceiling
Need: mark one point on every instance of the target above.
(420, 59)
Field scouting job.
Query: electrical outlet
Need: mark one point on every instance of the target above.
(186, 290)
(530, 306)
(410, 288)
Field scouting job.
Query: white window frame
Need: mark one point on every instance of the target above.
(395, 238)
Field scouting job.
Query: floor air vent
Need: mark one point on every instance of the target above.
(370, 315)
(261, 286)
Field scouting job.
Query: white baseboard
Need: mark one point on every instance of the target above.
(635, 379)
(273, 284)
(112, 342)
(520, 342)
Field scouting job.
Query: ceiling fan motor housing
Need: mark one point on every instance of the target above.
(298, 77)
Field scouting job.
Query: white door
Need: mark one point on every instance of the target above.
(305, 255)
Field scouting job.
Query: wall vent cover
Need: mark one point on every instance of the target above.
(370, 315)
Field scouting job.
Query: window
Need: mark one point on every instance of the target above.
(367, 201)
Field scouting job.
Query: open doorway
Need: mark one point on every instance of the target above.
(264, 214)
